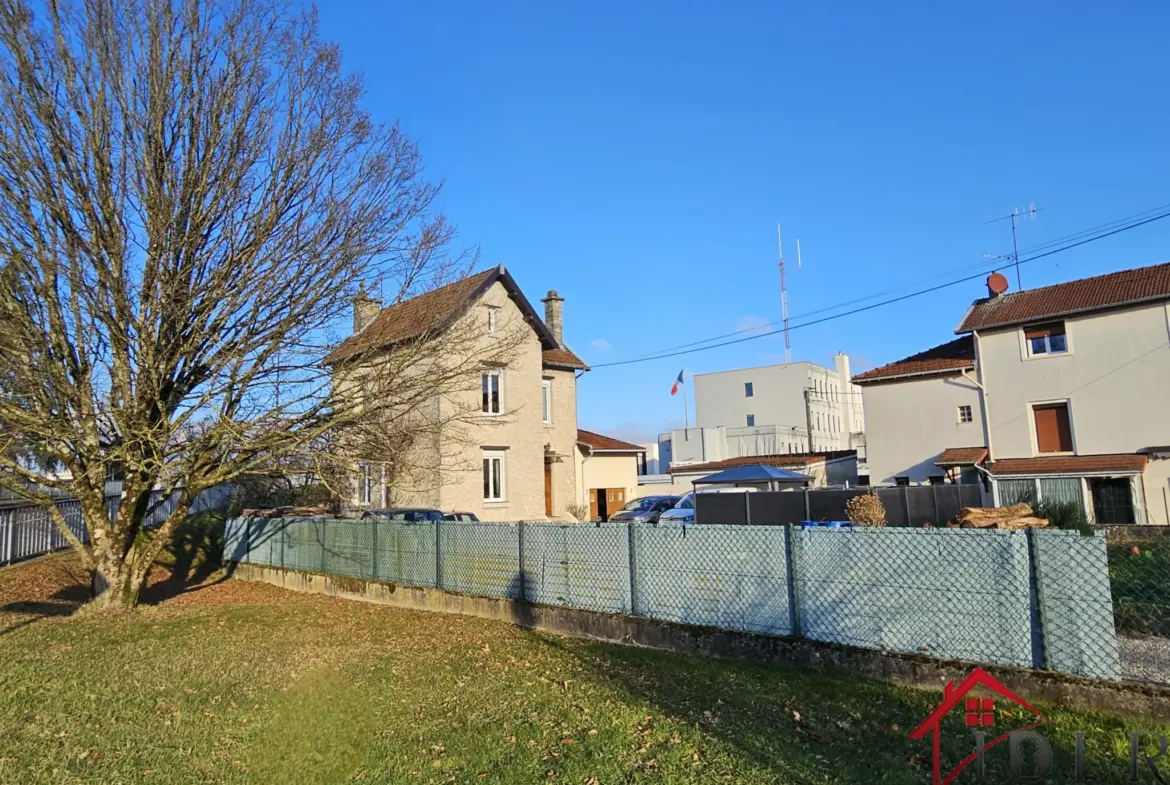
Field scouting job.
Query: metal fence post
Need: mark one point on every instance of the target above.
(807, 509)
(790, 551)
(906, 503)
(934, 498)
(522, 590)
(247, 540)
(8, 536)
(634, 569)
(438, 554)
(374, 549)
(1035, 606)
(283, 541)
(747, 509)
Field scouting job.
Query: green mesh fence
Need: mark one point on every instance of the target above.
(1031, 599)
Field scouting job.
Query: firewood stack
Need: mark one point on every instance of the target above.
(1015, 516)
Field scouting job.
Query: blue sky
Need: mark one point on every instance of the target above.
(637, 156)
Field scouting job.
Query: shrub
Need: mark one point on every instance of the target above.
(1064, 515)
(578, 511)
(866, 510)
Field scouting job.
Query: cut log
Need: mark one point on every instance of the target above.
(1026, 522)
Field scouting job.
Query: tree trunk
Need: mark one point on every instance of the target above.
(116, 584)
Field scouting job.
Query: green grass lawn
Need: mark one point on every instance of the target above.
(245, 683)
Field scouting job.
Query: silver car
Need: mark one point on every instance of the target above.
(681, 514)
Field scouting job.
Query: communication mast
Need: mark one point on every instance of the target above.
(784, 292)
(1016, 212)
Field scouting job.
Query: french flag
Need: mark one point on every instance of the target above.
(677, 382)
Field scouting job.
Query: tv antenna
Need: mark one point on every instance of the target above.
(784, 292)
(1030, 213)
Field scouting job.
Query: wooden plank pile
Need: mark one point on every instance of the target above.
(1015, 516)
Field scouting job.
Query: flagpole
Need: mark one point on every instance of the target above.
(686, 410)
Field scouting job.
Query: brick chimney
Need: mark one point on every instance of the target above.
(554, 316)
(365, 309)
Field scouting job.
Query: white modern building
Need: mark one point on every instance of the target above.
(1057, 392)
(791, 396)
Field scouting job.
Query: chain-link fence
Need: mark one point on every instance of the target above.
(1139, 575)
(1022, 598)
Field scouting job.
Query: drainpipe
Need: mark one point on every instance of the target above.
(983, 394)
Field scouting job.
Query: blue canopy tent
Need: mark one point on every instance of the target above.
(755, 475)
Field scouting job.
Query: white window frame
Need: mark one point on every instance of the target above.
(486, 376)
(365, 484)
(546, 401)
(966, 410)
(489, 456)
(1026, 345)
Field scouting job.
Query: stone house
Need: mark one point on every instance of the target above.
(509, 451)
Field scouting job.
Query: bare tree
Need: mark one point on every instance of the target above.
(189, 194)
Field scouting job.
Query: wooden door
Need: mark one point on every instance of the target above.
(592, 504)
(548, 507)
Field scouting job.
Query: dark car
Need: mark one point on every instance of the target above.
(644, 510)
(407, 514)
(467, 517)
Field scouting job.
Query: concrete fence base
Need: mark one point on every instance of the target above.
(1137, 700)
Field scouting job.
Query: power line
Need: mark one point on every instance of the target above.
(981, 264)
(686, 350)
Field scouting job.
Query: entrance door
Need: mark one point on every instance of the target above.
(1112, 500)
(548, 489)
(592, 504)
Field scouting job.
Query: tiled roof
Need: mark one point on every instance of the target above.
(961, 456)
(599, 442)
(1069, 464)
(1087, 294)
(563, 358)
(415, 317)
(956, 355)
(779, 461)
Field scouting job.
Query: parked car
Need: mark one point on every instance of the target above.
(644, 510)
(466, 517)
(407, 514)
(681, 514)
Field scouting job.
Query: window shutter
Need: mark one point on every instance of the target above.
(1053, 432)
(1044, 330)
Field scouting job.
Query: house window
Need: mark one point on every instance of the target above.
(493, 475)
(751, 420)
(747, 390)
(546, 401)
(1046, 339)
(1053, 429)
(365, 483)
(492, 317)
(965, 414)
(490, 383)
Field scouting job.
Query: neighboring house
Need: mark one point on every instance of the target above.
(798, 395)
(1069, 389)
(515, 457)
(919, 408)
(608, 472)
(837, 468)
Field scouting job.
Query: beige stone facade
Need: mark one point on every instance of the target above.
(520, 438)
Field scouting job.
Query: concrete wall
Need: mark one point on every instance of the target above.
(607, 470)
(910, 422)
(662, 485)
(1157, 491)
(1115, 378)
